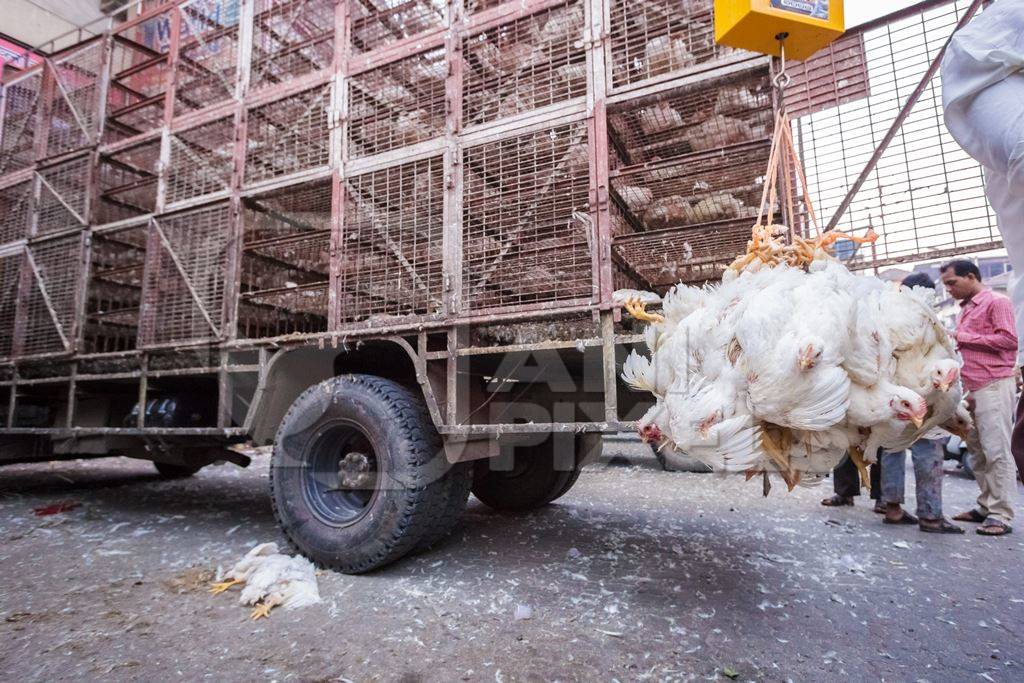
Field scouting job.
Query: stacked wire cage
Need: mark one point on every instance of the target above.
(210, 177)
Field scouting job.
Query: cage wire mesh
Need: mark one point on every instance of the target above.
(114, 295)
(523, 238)
(74, 110)
(377, 23)
(398, 104)
(128, 182)
(391, 255)
(63, 195)
(290, 38)
(208, 54)
(926, 197)
(651, 38)
(21, 113)
(15, 211)
(201, 161)
(286, 262)
(139, 74)
(49, 308)
(714, 114)
(525, 64)
(10, 274)
(288, 136)
(185, 276)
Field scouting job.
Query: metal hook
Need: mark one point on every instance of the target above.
(782, 79)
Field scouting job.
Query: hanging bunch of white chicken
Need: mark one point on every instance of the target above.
(793, 361)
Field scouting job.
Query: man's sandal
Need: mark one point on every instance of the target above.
(970, 516)
(941, 527)
(904, 518)
(837, 501)
(993, 527)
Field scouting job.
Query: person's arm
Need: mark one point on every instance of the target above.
(1003, 335)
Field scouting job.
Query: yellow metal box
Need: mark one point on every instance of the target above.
(754, 25)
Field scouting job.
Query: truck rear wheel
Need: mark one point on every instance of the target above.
(532, 482)
(358, 476)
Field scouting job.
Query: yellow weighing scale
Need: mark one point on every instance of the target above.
(805, 26)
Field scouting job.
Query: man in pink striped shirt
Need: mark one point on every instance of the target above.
(987, 340)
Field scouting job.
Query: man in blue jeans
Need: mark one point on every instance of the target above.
(927, 457)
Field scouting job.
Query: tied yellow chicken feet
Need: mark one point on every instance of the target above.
(638, 309)
(857, 458)
(222, 586)
(262, 609)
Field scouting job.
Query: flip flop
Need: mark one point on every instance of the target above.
(906, 518)
(970, 516)
(944, 527)
(993, 527)
(837, 501)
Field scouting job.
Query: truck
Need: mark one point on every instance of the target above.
(385, 236)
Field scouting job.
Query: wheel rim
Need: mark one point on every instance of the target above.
(341, 474)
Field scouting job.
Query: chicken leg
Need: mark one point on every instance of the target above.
(638, 309)
(262, 609)
(857, 458)
(222, 586)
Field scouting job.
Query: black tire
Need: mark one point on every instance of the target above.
(393, 499)
(169, 471)
(533, 481)
(459, 481)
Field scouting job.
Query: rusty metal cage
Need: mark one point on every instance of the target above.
(15, 211)
(288, 136)
(397, 105)
(652, 38)
(20, 119)
(185, 276)
(208, 55)
(391, 255)
(201, 161)
(290, 39)
(114, 294)
(74, 110)
(10, 278)
(526, 231)
(285, 269)
(64, 195)
(128, 182)
(377, 23)
(529, 63)
(49, 296)
(139, 75)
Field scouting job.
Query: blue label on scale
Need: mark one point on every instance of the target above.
(811, 8)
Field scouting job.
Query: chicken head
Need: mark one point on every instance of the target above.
(908, 406)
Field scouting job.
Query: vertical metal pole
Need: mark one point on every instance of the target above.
(597, 143)
(457, 391)
(235, 243)
(140, 420)
(12, 399)
(611, 384)
(337, 119)
(69, 413)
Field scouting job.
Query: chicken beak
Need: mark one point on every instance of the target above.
(944, 386)
(917, 420)
(806, 358)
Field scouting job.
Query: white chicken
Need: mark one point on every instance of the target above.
(272, 579)
(790, 363)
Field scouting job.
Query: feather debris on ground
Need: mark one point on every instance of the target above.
(792, 362)
(271, 579)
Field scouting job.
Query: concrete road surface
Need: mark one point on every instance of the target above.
(637, 574)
